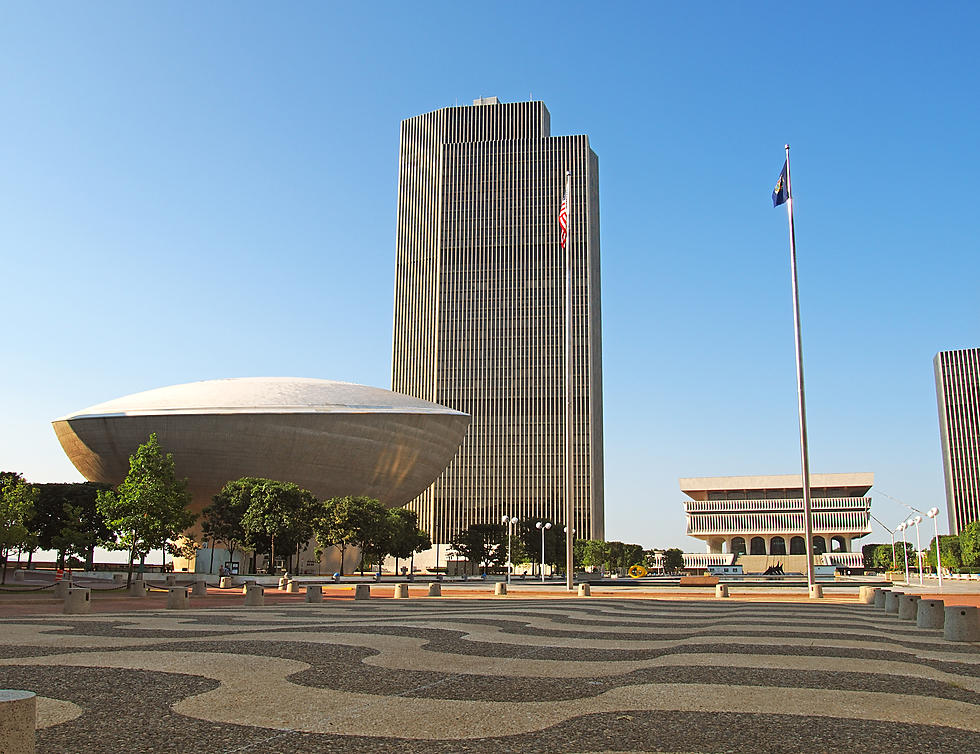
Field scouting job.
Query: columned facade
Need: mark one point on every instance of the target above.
(958, 395)
(763, 515)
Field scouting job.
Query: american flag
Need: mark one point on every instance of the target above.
(563, 218)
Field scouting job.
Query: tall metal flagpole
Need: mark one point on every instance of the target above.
(569, 523)
(804, 451)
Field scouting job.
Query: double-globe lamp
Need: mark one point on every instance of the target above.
(543, 526)
(933, 513)
(509, 522)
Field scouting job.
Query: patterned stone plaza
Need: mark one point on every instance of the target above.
(506, 675)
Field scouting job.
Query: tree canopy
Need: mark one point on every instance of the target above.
(970, 545)
(279, 515)
(484, 545)
(149, 508)
(17, 500)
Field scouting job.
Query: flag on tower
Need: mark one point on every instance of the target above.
(781, 193)
(563, 216)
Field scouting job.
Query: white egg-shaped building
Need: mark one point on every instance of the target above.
(333, 438)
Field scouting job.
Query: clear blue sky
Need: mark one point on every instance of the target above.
(191, 191)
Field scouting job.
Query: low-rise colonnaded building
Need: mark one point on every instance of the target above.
(763, 515)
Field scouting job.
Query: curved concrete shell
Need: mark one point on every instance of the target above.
(333, 438)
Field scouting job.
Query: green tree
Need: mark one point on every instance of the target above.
(149, 508)
(484, 545)
(278, 515)
(372, 532)
(877, 557)
(596, 553)
(632, 555)
(222, 520)
(949, 551)
(335, 523)
(67, 520)
(17, 499)
(406, 537)
(673, 560)
(970, 545)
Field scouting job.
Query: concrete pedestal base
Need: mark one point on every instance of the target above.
(18, 719)
(401, 592)
(314, 593)
(171, 579)
(177, 598)
(283, 583)
(500, 589)
(816, 592)
(246, 585)
(292, 587)
(584, 590)
(721, 590)
(200, 589)
(137, 588)
(930, 614)
(891, 602)
(118, 578)
(18, 575)
(435, 589)
(226, 582)
(907, 606)
(255, 596)
(362, 592)
(962, 623)
(78, 601)
(880, 598)
(866, 596)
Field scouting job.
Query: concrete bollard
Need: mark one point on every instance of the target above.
(362, 591)
(866, 595)
(61, 589)
(292, 586)
(435, 589)
(255, 596)
(930, 614)
(171, 579)
(247, 584)
(78, 601)
(500, 589)
(880, 598)
(907, 606)
(226, 582)
(584, 590)
(721, 590)
(961, 623)
(401, 592)
(177, 598)
(137, 588)
(283, 582)
(119, 578)
(816, 592)
(891, 602)
(18, 719)
(18, 575)
(314, 593)
(200, 589)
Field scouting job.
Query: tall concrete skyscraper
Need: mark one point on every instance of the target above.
(958, 394)
(480, 311)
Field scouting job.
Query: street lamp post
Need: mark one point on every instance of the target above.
(572, 559)
(905, 555)
(543, 526)
(509, 522)
(933, 513)
(918, 546)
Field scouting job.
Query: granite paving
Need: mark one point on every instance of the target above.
(488, 675)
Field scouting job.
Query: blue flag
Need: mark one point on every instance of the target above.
(781, 193)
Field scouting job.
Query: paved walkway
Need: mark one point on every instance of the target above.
(442, 675)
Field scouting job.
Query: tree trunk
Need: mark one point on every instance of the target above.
(90, 558)
(343, 550)
(3, 557)
(30, 559)
(272, 557)
(211, 567)
(129, 573)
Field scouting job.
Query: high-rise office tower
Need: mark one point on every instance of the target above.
(958, 395)
(480, 311)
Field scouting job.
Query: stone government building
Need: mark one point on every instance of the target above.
(479, 311)
(958, 396)
(763, 515)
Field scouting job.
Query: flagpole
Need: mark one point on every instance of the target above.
(804, 450)
(569, 522)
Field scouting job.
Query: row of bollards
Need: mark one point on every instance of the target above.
(958, 622)
(78, 601)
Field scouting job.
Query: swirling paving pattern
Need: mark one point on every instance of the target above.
(446, 675)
